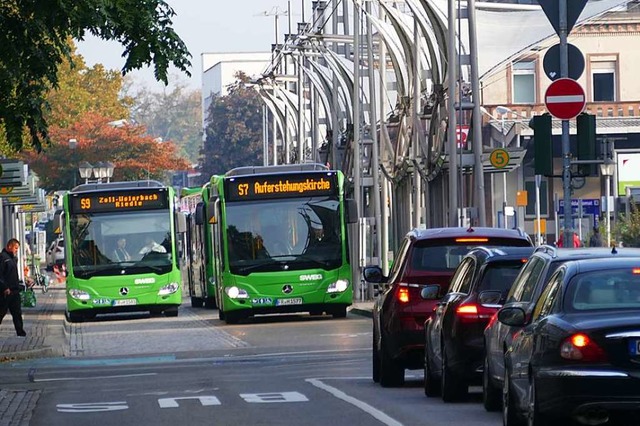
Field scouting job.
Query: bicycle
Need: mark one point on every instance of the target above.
(40, 280)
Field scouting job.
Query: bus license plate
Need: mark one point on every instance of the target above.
(634, 347)
(294, 301)
(124, 302)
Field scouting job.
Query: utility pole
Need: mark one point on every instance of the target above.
(566, 148)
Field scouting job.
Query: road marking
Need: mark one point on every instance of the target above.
(173, 402)
(265, 398)
(64, 379)
(92, 407)
(375, 413)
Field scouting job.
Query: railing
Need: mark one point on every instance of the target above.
(599, 109)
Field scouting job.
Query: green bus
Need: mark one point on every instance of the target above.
(276, 242)
(121, 249)
(198, 270)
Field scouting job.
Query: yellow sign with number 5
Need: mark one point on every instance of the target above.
(499, 158)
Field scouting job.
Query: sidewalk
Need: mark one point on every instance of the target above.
(43, 324)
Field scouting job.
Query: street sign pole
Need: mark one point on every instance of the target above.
(566, 148)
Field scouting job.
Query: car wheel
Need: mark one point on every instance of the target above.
(491, 395)
(391, 371)
(534, 417)
(196, 302)
(431, 383)
(235, 317)
(375, 358)
(221, 315)
(452, 387)
(509, 411)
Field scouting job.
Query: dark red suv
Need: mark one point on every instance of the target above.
(425, 256)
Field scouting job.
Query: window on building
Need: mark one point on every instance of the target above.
(603, 80)
(530, 187)
(524, 82)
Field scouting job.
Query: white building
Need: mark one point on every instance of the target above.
(219, 70)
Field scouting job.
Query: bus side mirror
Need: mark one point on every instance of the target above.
(351, 210)
(200, 213)
(181, 222)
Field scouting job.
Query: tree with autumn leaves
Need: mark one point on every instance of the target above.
(134, 154)
(86, 101)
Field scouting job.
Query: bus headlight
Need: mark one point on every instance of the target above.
(168, 289)
(338, 286)
(236, 293)
(79, 294)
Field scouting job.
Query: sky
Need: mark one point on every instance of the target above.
(208, 26)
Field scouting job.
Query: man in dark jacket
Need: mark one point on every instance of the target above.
(10, 285)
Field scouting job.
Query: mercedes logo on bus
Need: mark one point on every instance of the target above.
(287, 289)
(124, 291)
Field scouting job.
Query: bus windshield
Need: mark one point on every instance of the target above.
(283, 234)
(120, 243)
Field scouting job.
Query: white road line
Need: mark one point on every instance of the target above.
(375, 413)
(64, 379)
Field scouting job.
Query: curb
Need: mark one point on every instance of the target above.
(362, 312)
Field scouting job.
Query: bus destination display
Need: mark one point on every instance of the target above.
(119, 201)
(268, 187)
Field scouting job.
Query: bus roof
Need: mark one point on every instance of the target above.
(283, 168)
(117, 185)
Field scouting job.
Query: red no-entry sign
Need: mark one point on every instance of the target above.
(565, 99)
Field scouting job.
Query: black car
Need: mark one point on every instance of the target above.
(425, 256)
(524, 293)
(454, 342)
(577, 356)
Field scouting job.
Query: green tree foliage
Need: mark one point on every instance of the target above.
(84, 90)
(34, 39)
(233, 131)
(175, 114)
(627, 228)
(134, 154)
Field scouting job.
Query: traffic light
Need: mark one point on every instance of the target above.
(586, 129)
(542, 144)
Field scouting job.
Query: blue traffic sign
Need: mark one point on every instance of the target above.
(590, 206)
(551, 62)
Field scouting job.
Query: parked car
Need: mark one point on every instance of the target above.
(577, 357)
(55, 253)
(523, 294)
(425, 256)
(454, 339)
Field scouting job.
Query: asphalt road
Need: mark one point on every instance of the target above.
(196, 370)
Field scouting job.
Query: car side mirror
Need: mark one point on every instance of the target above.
(373, 274)
(512, 316)
(490, 297)
(430, 292)
(351, 210)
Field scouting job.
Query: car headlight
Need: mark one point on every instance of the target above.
(338, 286)
(79, 294)
(168, 289)
(236, 293)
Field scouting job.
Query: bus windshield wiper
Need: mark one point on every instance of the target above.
(318, 262)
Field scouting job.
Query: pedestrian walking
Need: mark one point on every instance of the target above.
(596, 238)
(10, 286)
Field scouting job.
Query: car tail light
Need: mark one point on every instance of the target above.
(580, 347)
(472, 312)
(402, 294)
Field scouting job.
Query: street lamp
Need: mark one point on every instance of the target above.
(607, 169)
(85, 170)
(102, 170)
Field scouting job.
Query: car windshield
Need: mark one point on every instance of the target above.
(500, 276)
(444, 255)
(604, 290)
